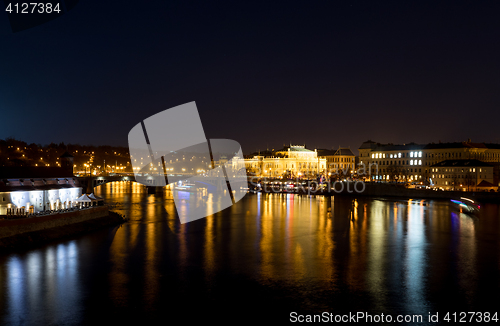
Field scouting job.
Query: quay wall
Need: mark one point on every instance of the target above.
(400, 191)
(27, 232)
(9, 228)
(391, 190)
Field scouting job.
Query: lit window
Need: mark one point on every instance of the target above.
(419, 162)
(411, 162)
(399, 155)
(391, 156)
(419, 154)
(373, 155)
(411, 154)
(384, 155)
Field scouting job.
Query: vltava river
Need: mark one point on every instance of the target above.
(258, 261)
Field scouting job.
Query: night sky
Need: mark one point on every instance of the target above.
(328, 74)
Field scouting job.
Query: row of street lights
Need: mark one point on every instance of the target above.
(98, 168)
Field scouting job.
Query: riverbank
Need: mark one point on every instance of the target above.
(34, 231)
(388, 190)
(359, 188)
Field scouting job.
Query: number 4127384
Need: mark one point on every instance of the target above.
(464, 317)
(32, 7)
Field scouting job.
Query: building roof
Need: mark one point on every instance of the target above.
(412, 146)
(296, 148)
(390, 147)
(282, 152)
(455, 145)
(368, 144)
(492, 146)
(31, 172)
(485, 183)
(326, 152)
(344, 152)
(461, 163)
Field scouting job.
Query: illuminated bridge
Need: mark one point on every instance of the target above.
(90, 182)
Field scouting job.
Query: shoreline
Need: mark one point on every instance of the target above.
(385, 191)
(32, 232)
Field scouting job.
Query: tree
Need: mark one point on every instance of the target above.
(454, 180)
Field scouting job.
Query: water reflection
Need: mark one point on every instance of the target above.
(309, 252)
(41, 286)
(416, 257)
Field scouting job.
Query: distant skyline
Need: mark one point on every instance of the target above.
(323, 74)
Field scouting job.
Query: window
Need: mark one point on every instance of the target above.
(411, 154)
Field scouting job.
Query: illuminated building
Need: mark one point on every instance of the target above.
(412, 162)
(30, 189)
(293, 160)
(342, 159)
(463, 175)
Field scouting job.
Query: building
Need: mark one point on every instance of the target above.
(344, 158)
(293, 160)
(34, 189)
(340, 161)
(462, 175)
(67, 161)
(412, 162)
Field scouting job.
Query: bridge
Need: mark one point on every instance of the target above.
(90, 182)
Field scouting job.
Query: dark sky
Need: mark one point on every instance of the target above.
(328, 74)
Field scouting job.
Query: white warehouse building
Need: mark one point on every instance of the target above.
(31, 190)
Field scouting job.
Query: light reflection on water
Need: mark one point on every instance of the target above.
(308, 253)
(42, 285)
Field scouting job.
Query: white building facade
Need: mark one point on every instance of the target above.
(28, 195)
(295, 160)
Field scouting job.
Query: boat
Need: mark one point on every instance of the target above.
(467, 205)
(185, 186)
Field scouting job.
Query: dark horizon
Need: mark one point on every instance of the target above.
(326, 75)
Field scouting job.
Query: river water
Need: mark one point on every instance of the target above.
(258, 261)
